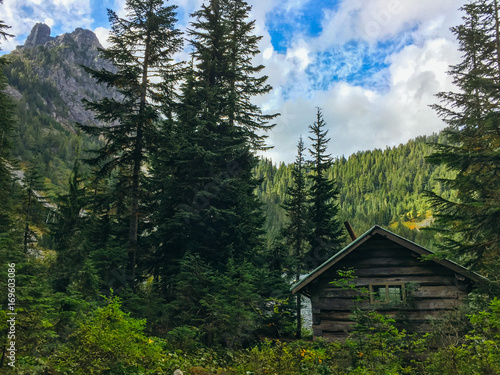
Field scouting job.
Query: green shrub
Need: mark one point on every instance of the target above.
(480, 351)
(108, 341)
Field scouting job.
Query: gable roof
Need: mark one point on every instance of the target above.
(299, 286)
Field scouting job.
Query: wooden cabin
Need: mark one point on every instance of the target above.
(391, 277)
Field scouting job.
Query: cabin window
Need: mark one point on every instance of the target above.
(386, 293)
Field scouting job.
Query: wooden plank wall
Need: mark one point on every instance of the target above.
(436, 290)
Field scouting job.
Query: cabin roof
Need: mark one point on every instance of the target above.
(300, 285)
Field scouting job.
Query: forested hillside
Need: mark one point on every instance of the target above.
(381, 187)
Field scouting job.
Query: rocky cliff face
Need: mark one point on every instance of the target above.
(58, 61)
(40, 34)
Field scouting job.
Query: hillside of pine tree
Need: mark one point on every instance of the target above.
(382, 187)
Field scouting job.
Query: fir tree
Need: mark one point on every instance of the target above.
(470, 221)
(209, 185)
(33, 210)
(326, 232)
(206, 207)
(142, 46)
(7, 124)
(70, 234)
(244, 82)
(296, 231)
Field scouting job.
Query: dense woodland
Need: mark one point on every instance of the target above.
(153, 238)
(375, 187)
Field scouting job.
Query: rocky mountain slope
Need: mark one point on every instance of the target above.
(58, 61)
(48, 82)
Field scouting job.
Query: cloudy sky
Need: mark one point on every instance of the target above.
(373, 66)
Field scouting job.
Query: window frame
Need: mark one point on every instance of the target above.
(387, 301)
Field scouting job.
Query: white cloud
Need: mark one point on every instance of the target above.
(119, 8)
(299, 55)
(66, 15)
(49, 21)
(376, 20)
(102, 34)
(363, 119)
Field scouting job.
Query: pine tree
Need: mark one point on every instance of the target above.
(142, 46)
(326, 232)
(470, 221)
(209, 186)
(7, 124)
(70, 234)
(205, 202)
(242, 75)
(33, 210)
(297, 229)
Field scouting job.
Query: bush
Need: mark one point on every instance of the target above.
(480, 351)
(108, 341)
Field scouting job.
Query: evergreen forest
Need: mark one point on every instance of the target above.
(143, 232)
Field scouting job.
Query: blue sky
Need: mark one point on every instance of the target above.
(373, 66)
(282, 24)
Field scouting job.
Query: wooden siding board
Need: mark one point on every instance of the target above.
(427, 304)
(402, 271)
(419, 280)
(440, 291)
(343, 316)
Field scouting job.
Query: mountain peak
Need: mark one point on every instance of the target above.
(40, 34)
(85, 38)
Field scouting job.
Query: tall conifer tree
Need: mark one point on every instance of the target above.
(33, 211)
(207, 208)
(215, 211)
(470, 221)
(326, 232)
(142, 46)
(7, 124)
(297, 229)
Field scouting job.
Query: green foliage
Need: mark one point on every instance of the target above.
(375, 347)
(108, 341)
(142, 46)
(478, 353)
(326, 234)
(223, 306)
(7, 127)
(470, 218)
(297, 227)
(296, 230)
(33, 211)
(381, 187)
(35, 304)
